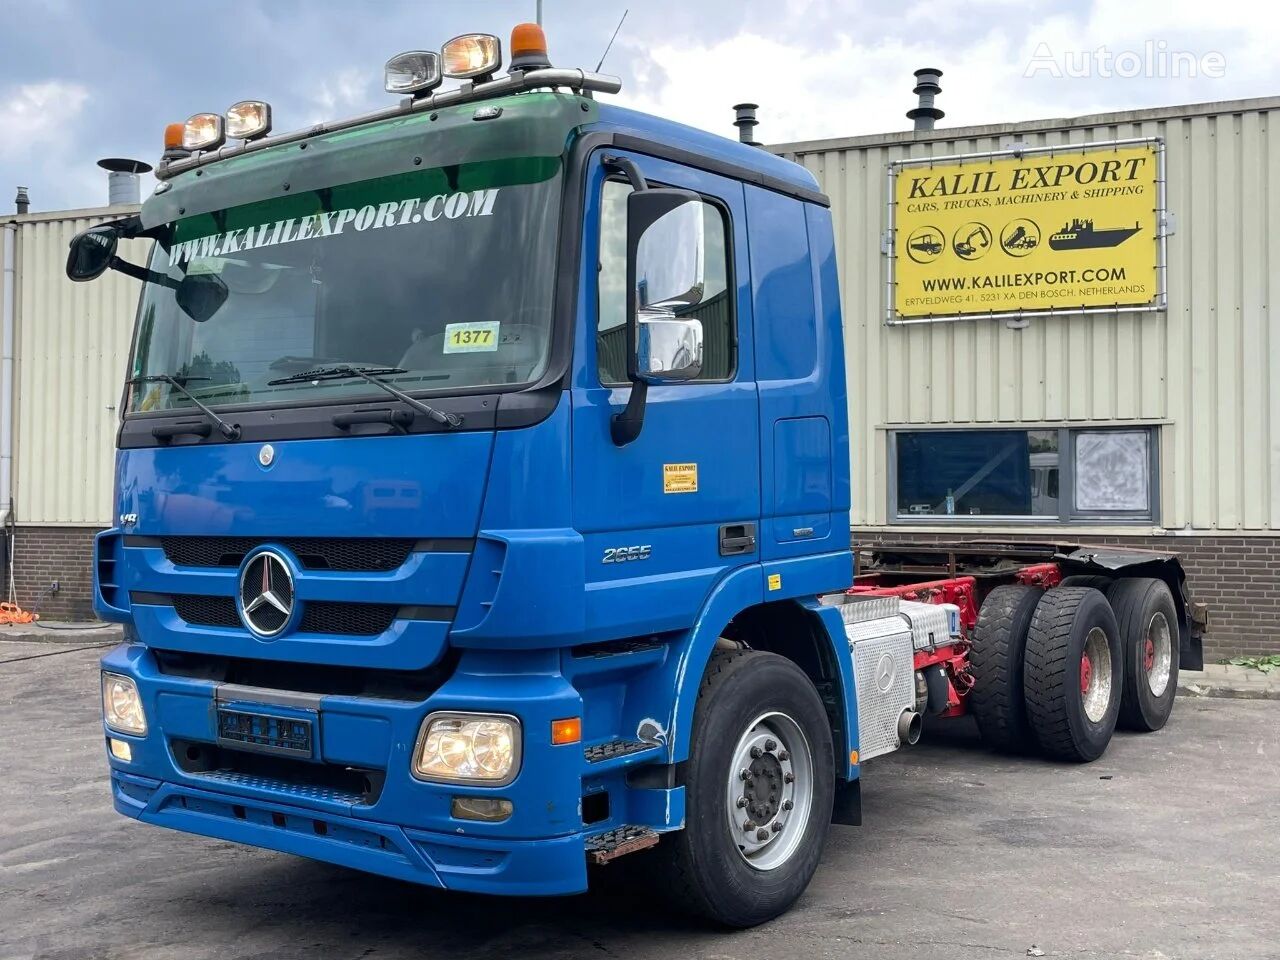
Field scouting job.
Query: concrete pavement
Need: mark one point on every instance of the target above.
(1164, 848)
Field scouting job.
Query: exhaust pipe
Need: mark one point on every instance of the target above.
(909, 727)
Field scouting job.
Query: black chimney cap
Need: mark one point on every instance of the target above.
(121, 165)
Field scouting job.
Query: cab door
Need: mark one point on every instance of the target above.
(667, 516)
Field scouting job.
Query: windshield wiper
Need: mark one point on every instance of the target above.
(373, 375)
(230, 431)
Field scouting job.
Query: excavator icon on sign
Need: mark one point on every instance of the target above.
(971, 241)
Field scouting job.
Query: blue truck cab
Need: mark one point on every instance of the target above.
(481, 464)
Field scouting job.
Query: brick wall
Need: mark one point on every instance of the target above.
(1238, 577)
(46, 554)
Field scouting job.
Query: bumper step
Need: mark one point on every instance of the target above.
(617, 748)
(604, 847)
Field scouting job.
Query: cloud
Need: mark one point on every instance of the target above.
(818, 68)
(37, 116)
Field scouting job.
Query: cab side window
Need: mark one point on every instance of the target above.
(715, 311)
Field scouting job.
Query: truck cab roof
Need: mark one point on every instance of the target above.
(536, 123)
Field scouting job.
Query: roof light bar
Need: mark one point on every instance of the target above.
(471, 55)
(248, 120)
(203, 131)
(414, 71)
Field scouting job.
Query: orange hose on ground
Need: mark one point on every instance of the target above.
(12, 613)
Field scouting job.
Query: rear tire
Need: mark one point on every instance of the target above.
(716, 868)
(1074, 673)
(1148, 623)
(1088, 580)
(999, 643)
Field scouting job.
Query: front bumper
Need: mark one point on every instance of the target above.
(549, 866)
(405, 828)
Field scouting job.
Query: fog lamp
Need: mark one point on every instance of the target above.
(121, 705)
(415, 71)
(468, 748)
(490, 809)
(203, 131)
(471, 55)
(121, 750)
(248, 119)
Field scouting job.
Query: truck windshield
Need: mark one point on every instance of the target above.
(444, 275)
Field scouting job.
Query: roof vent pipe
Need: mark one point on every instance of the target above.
(22, 201)
(123, 185)
(745, 121)
(926, 114)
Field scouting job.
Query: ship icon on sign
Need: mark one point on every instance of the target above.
(1083, 235)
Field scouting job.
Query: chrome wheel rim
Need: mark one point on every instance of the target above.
(1157, 655)
(1095, 675)
(769, 793)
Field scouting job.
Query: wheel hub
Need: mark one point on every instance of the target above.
(770, 791)
(1157, 655)
(1095, 676)
(763, 791)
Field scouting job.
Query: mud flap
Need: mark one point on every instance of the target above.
(847, 809)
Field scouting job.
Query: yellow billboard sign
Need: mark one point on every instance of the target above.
(1072, 230)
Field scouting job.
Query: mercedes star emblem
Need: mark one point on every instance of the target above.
(266, 594)
(885, 673)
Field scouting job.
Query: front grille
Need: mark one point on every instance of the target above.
(352, 554)
(318, 616)
(207, 611)
(355, 619)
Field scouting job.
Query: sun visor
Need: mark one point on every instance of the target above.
(529, 125)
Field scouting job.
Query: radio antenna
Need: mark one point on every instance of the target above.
(611, 39)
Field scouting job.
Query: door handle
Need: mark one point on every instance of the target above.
(737, 538)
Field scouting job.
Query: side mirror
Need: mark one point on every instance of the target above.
(668, 250)
(91, 252)
(201, 295)
(665, 272)
(668, 348)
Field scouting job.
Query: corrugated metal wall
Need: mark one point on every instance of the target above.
(1208, 370)
(71, 345)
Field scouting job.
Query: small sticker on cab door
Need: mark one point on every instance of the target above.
(679, 478)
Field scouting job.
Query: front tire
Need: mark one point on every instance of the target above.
(759, 787)
(1074, 671)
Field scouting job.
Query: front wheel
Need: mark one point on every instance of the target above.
(758, 791)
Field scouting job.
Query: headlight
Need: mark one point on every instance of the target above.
(468, 747)
(471, 55)
(203, 131)
(121, 705)
(417, 71)
(248, 120)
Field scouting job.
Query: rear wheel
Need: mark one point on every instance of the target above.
(1148, 624)
(758, 792)
(999, 642)
(1073, 673)
(1087, 580)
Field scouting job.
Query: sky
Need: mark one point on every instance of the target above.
(85, 79)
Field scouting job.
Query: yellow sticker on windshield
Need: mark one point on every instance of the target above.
(478, 337)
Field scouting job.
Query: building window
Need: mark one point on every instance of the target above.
(715, 310)
(1053, 475)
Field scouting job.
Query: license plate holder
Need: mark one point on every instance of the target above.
(260, 731)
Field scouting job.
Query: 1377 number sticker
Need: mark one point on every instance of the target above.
(476, 337)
